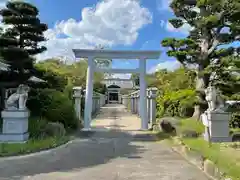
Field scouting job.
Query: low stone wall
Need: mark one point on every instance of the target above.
(97, 103)
(132, 102)
(197, 159)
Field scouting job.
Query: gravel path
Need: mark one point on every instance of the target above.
(115, 151)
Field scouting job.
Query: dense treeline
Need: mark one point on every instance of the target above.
(181, 91)
(49, 101)
(177, 94)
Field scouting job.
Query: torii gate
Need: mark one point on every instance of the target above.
(142, 56)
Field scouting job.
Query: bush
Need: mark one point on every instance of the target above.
(235, 120)
(39, 128)
(190, 128)
(178, 103)
(36, 127)
(53, 105)
(53, 79)
(55, 129)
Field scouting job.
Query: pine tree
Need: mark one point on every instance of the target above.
(20, 39)
(213, 23)
(227, 77)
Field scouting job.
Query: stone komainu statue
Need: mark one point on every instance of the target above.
(214, 100)
(17, 101)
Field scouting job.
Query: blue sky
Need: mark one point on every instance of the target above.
(118, 24)
(86, 23)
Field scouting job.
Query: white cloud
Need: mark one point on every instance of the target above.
(183, 30)
(169, 65)
(163, 5)
(111, 22)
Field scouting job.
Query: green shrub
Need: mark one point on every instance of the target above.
(55, 129)
(235, 120)
(53, 79)
(178, 103)
(191, 125)
(53, 105)
(36, 127)
(40, 128)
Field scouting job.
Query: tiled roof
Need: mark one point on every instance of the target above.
(122, 84)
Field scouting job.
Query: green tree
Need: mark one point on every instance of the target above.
(74, 73)
(227, 77)
(177, 92)
(136, 79)
(179, 79)
(214, 23)
(19, 42)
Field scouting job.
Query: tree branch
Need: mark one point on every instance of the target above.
(214, 45)
(215, 40)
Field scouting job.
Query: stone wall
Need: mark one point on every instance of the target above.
(78, 95)
(132, 102)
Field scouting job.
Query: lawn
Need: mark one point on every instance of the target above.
(227, 159)
(226, 156)
(13, 149)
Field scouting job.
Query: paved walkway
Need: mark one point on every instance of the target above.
(115, 152)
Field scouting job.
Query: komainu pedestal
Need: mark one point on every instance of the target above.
(218, 125)
(216, 118)
(15, 126)
(15, 116)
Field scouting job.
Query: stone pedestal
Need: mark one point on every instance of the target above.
(77, 95)
(15, 126)
(218, 124)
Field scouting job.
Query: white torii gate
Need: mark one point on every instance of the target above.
(142, 56)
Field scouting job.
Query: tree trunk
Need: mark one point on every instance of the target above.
(201, 84)
(197, 112)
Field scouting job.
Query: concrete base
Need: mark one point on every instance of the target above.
(15, 126)
(217, 139)
(218, 123)
(14, 138)
(86, 129)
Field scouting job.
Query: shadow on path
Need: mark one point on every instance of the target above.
(88, 149)
(112, 150)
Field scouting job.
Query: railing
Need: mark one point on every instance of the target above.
(79, 94)
(98, 102)
(132, 102)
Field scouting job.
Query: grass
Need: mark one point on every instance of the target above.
(224, 158)
(236, 130)
(14, 149)
(191, 124)
(163, 136)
